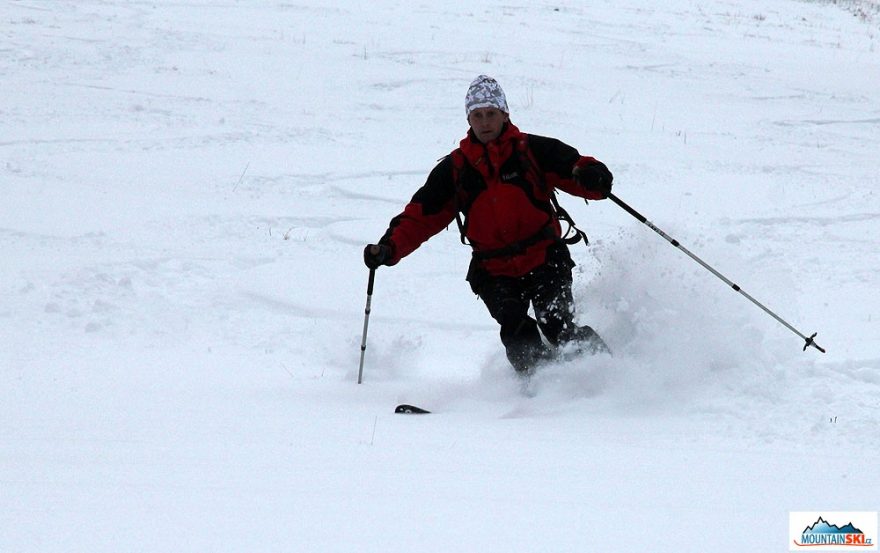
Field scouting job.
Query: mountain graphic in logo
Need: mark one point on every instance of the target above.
(822, 526)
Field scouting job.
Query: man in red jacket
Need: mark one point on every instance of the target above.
(499, 186)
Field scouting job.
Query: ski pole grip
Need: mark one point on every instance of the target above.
(370, 282)
(626, 207)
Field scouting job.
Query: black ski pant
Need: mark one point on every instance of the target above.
(547, 289)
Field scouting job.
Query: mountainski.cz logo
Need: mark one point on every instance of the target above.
(833, 531)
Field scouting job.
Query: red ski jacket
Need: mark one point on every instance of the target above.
(503, 189)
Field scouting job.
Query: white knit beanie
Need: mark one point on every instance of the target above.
(485, 92)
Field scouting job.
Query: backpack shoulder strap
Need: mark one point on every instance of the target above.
(458, 166)
(573, 234)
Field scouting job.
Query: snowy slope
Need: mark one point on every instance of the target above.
(187, 188)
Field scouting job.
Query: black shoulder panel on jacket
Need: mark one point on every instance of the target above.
(438, 189)
(552, 155)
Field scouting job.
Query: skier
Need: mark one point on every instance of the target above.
(503, 182)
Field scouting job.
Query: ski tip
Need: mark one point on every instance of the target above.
(405, 409)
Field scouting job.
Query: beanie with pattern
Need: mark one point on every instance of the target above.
(485, 92)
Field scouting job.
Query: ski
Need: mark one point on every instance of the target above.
(406, 409)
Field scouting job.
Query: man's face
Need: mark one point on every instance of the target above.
(487, 123)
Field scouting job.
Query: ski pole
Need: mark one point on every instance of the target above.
(807, 341)
(366, 323)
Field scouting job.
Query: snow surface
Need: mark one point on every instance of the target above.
(187, 187)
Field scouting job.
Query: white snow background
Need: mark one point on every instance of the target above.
(187, 188)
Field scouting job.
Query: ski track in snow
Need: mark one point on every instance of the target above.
(187, 191)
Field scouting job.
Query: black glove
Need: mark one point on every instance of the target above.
(376, 255)
(594, 176)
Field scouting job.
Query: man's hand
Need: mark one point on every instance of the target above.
(376, 255)
(594, 175)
